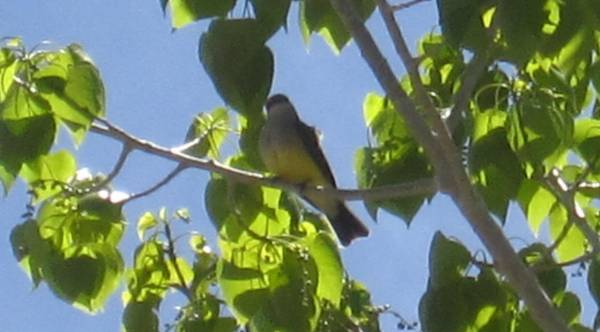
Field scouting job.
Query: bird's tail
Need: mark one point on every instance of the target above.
(346, 225)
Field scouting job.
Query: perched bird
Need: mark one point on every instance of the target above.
(290, 149)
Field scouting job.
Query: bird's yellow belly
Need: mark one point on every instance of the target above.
(296, 167)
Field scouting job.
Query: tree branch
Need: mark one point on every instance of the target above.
(445, 158)
(405, 5)
(576, 215)
(183, 287)
(409, 189)
(461, 99)
(156, 186)
(578, 260)
(125, 151)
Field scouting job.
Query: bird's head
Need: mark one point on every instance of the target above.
(276, 101)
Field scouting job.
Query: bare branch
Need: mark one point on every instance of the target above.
(445, 158)
(183, 287)
(443, 151)
(576, 215)
(125, 151)
(156, 186)
(409, 189)
(472, 73)
(578, 260)
(405, 5)
(421, 187)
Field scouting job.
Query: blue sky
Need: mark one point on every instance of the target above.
(155, 85)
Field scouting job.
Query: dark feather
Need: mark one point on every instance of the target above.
(310, 138)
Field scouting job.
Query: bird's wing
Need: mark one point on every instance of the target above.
(310, 139)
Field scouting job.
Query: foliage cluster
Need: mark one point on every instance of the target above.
(530, 135)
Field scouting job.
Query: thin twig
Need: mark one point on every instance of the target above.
(183, 287)
(566, 196)
(125, 151)
(471, 75)
(561, 236)
(581, 259)
(156, 186)
(405, 5)
(445, 158)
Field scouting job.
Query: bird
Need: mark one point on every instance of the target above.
(290, 149)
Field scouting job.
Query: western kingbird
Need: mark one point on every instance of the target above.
(290, 149)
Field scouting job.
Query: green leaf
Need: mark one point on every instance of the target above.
(324, 252)
(573, 244)
(250, 129)
(466, 304)
(462, 23)
(226, 324)
(358, 309)
(85, 278)
(88, 220)
(443, 309)
(448, 260)
(569, 307)
(208, 131)
(261, 292)
(48, 172)
(494, 166)
(150, 275)
(521, 24)
(141, 316)
(31, 251)
(292, 284)
(319, 16)
(10, 65)
(22, 103)
(21, 141)
(71, 83)
(550, 275)
(397, 158)
(442, 67)
(198, 243)
(200, 315)
(593, 279)
(183, 214)
(184, 12)
(539, 130)
(183, 267)
(234, 55)
(536, 202)
(271, 14)
(571, 40)
(73, 248)
(238, 290)
(587, 140)
(147, 221)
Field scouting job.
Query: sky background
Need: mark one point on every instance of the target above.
(155, 85)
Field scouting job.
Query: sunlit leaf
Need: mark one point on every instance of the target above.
(87, 278)
(207, 132)
(573, 243)
(536, 202)
(146, 221)
(448, 260)
(323, 250)
(48, 173)
(184, 12)
(319, 16)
